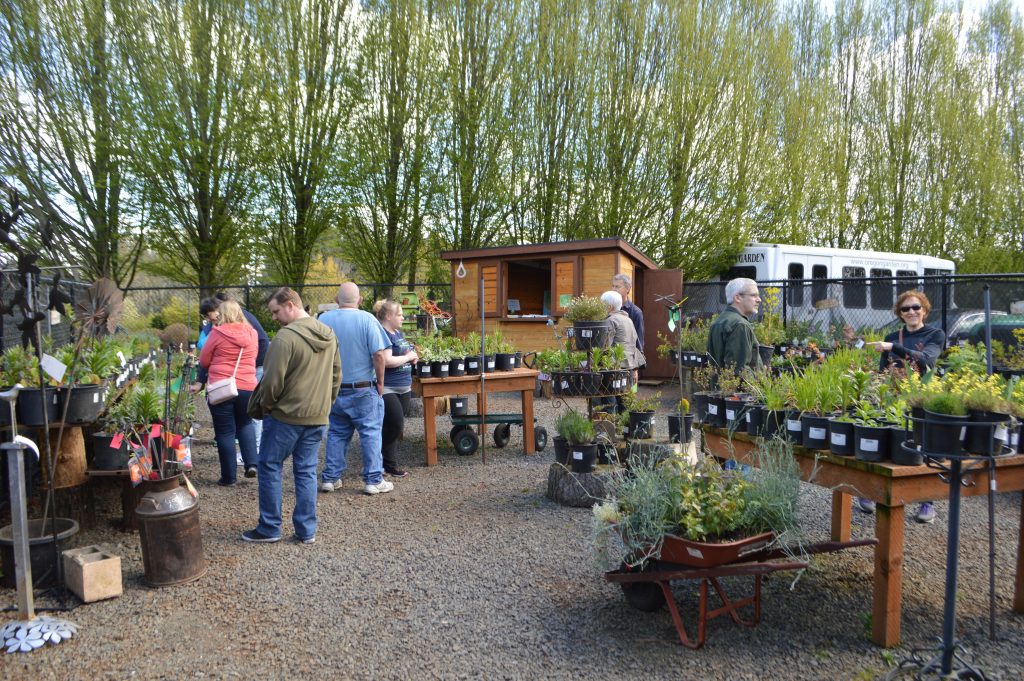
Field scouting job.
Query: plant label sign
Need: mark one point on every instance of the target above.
(1000, 434)
(817, 433)
(748, 417)
(839, 439)
(730, 414)
(120, 357)
(713, 409)
(53, 367)
(868, 445)
(793, 424)
(577, 456)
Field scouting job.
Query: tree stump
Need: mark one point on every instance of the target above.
(580, 490)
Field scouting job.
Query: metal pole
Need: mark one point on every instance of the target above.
(986, 296)
(483, 372)
(952, 553)
(945, 305)
(19, 525)
(992, 548)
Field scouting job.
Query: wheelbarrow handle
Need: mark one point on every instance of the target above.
(529, 358)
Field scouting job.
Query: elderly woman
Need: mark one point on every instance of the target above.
(624, 334)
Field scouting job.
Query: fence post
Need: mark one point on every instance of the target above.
(945, 306)
(247, 305)
(785, 295)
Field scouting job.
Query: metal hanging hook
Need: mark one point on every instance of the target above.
(460, 272)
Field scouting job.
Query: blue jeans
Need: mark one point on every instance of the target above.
(303, 443)
(359, 409)
(230, 421)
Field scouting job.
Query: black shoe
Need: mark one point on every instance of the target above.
(258, 537)
(250, 471)
(396, 472)
(224, 483)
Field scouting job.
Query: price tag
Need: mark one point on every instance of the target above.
(793, 424)
(816, 433)
(473, 365)
(53, 367)
(117, 441)
(868, 445)
(839, 439)
(730, 414)
(713, 409)
(490, 364)
(444, 367)
(577, 456)
(859, 344)
(1000, 434)
(565, 385)
(120, 357)
(748, 417)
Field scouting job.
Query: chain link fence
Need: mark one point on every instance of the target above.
(827, 305)
(56, 326)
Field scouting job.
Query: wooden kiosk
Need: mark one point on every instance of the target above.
(526, 287)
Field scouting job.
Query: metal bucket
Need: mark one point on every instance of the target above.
(172, 545)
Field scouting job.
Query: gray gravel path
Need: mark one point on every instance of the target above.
(466, 570)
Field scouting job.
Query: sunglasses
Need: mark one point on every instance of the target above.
(908, 308)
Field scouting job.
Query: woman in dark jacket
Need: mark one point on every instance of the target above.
(398, 359)
(914, 346)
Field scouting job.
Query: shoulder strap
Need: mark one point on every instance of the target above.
(237, 361)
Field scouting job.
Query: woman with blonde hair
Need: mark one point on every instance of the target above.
(230, 350)
(399, 357)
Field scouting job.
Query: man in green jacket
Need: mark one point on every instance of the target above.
(301, 378)
(731, 339)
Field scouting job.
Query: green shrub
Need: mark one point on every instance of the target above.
(946, 403)
(586, 309)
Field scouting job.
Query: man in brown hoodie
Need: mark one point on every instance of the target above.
(301, 378)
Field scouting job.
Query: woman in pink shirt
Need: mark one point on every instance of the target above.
(232, 335)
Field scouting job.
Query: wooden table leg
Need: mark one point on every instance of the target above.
(842, 504)
(885, 618)
(430, 430)
(528, 439)
(1018, 586)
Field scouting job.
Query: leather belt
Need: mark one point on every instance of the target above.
(361, 384)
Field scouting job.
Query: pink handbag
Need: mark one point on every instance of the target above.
(224, 389)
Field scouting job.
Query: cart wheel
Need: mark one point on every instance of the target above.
(502, 432)
(466, 441)
(644, 596)
(540, 438)
(455, 432)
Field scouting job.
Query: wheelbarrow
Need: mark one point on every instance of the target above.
(466, 441)
(648, 587)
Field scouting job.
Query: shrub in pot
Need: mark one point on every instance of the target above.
(22, 366)
(680, 424)
(579, 434)
(589, 318)
(840, 440)
(870, 433)
(945, 424)
(987, 408)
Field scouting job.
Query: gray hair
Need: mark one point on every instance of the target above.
(737, 286)
(612, 299)
(624, 280)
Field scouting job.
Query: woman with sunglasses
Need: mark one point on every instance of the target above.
(914, 346)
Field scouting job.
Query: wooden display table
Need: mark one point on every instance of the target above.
(523, 381)
(891, 487)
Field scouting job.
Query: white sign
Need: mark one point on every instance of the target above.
(713, 409)
(577, 456)
(868, 445)
(839, 439)
(793, 424)
(816, 433)
(53, 367)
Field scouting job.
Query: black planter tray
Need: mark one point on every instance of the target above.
(911, 446)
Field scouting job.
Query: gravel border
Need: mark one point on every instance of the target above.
(466, 570)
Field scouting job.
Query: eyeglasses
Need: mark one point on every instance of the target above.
(908, 308)
(752, 295)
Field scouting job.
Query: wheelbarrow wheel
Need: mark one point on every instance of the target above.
(502, 433)
(466, 441)
(644, 596)
(455, 432)
(540, 438)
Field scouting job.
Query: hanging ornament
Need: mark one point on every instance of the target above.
(460, 271)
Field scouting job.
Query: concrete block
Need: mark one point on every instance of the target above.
(92, 574)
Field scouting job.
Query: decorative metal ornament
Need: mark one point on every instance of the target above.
(25, 636)
(460, 272)
(98, 308)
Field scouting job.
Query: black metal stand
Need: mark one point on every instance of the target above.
(950, 659)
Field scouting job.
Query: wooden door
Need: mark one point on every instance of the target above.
(658, 283)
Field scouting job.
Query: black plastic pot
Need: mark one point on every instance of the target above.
(489, 363)
(457, 366)
(700, 406)
(84, 403)
(903, 448)
(31, 404)
(518, 360)
(589, 335)
(794, 427)
(840, 437)
(766, 352)
(641, 425)
(561, 450)
(917, 423)
(673, 356)
(5, 409)
(735, 413)
(439, 369)
(43, 555)
(105, 457)
(716, 411)
(943, 434)
(680, 428)
(987, 439)
(504, 361)
(871, 443)
(814, 432)
(754, 418)
(459, 405)
(614, 382)
(423, 370)
(590, 383)
(582, 458)
(473, 365)
(774, 422)
(606, 453)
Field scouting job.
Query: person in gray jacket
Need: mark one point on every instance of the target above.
(731, 339)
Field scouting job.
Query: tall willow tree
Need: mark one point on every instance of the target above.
(394, 149)
(62, 133)
(621, 179)
(307, 50)
(479, 113)
(196, 100)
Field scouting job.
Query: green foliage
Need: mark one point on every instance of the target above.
(951, 404)
(575, 427)
(634, 403)
(586, 309)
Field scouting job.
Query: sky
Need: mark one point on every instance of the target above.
(969, 5)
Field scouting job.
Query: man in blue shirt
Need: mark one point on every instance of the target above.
(360, 403)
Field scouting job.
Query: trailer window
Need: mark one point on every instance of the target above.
(882, 296)
(855, 293)
(746, 272)
(933, 287)
(819, 288)
(796, 284)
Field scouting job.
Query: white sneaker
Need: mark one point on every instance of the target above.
(330, 486)
(238, 458)
(381, 487)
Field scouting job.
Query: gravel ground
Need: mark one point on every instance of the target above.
(466, 570)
